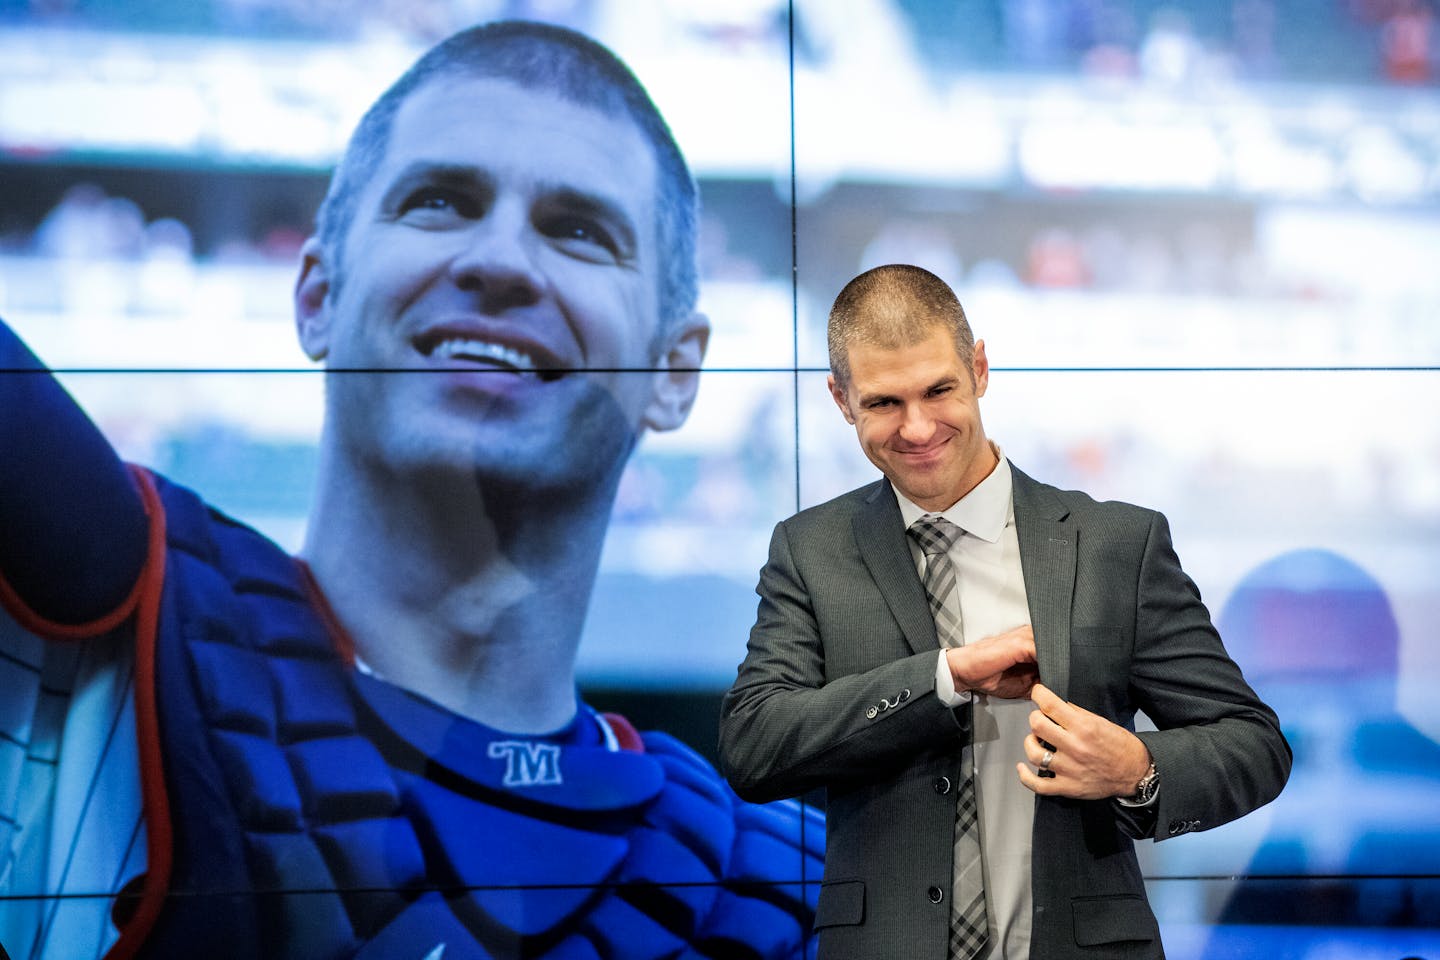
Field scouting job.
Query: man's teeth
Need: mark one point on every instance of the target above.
(481, 351)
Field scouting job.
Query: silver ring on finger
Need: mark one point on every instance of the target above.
(1045, 760)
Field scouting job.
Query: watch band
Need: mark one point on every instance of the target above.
(1144, 790)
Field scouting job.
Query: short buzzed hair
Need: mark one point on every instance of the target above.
(893, 306)
(550, 59)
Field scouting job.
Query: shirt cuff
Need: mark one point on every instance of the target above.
(945, 685)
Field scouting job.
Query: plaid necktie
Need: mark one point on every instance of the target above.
(969, 933)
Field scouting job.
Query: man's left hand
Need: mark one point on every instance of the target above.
(1090, 757)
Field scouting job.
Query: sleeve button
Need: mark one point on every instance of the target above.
(872, 712)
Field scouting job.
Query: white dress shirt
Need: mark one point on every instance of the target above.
(991, 598)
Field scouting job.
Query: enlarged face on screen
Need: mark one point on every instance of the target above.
(506, 240)
(916, 412)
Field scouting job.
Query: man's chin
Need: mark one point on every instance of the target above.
(921, 486)
(574, 448)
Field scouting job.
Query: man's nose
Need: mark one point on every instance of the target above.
(498, 261)
(917, 426)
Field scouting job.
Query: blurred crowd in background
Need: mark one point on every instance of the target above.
(1326, 41)
(1131, 184)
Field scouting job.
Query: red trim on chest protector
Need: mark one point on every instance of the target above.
(159, 840)
(55, 630)
(340, 640)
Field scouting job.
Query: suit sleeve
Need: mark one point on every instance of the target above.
(1219, 748)
(790, 724)
(72, 525)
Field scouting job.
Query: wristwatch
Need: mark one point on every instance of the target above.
(1145, 789)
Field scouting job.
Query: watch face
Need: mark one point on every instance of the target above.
(1145, 789)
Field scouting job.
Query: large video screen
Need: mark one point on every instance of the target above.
(480, 718)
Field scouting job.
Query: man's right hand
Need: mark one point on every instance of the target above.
(999, 666)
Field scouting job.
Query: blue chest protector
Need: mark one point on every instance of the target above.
(320, 813)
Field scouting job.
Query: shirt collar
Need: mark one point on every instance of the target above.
(983, 512)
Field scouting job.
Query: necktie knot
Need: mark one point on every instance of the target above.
(934, 534)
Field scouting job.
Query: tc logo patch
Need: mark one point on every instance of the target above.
(528, 764)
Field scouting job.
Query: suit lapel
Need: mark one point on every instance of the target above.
(880, 538)
(1047, 558)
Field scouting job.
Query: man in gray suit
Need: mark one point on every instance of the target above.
(966, 694)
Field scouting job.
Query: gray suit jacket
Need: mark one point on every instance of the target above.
(837, 691)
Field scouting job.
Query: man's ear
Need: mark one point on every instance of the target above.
(677, 377)
(837, 393)
(981, 368)
(312, 308)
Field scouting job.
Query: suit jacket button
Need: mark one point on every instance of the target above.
(1177, 827)
(935, 894)
(872, 713)
(942, 785)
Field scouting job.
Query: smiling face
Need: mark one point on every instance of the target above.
(916, 411)
(506, 243)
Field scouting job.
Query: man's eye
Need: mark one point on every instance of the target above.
(430, 203)
(583, 237)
